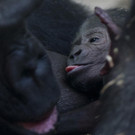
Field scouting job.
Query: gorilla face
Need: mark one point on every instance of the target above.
(28, 89)
(87, 58)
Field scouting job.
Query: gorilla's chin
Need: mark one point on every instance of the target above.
(84, 79)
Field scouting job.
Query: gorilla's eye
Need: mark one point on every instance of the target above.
(94, 39)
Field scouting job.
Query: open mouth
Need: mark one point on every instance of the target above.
(43, 126)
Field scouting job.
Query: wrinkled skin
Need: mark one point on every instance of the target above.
(90, 56)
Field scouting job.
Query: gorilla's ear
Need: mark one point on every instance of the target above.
(13, 12)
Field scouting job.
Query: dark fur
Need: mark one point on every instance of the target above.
(56, 22)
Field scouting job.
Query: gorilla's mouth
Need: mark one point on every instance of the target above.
(78, 67)
(45, 125)
(71, 68)
(74, 68)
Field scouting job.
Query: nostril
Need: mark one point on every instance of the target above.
(71, 56)
(78, 52)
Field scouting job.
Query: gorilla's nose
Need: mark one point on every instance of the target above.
(75, 54)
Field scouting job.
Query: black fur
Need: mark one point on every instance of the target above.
(56, 22)
(28, 89)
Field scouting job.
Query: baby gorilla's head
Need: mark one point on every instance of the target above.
(86, 60)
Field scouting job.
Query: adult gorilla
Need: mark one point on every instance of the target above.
(28, 89)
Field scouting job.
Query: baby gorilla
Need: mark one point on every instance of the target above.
(87, 59)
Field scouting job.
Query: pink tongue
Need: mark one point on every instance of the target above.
(70, 68)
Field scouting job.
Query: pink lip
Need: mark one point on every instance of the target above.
(70, 68)
(42, 126)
